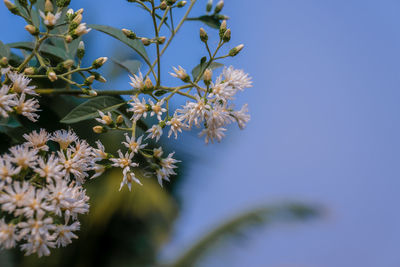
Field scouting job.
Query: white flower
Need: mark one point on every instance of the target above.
(50, 169)
(28, 108)
(193, 112)
(237, 79)
(7, 101)
(35, 203)
(14, 196)
(38, 140)
(65, 234)
(176, 125)
(180, 73)
(161, 175)
(217, 116)
(98, 170)
(133, 145)
(167, 165)
(50, 19)
(105, 118)
(8, 236)
(78, 204)
(129, 177)
(7, 170)
(64, 138)
(22, 156)
(20, 84)
(137, 81)
(221, 91)
(242, 116)
(99, 153)
(124, 161)
(74, 164)
(82, 29)
(155, 132)
(157, 108)
(213, 133)
(138, 108)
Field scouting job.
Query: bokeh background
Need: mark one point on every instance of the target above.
(324, 130)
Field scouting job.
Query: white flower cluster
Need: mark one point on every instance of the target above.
(211, 108)
(41, 193)
(16, 96)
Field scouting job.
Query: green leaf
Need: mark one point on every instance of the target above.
(44, 48)
(200, 68)
(255, 217)
(35, 18)
(10, 122)
(211, 20)
(4, 50)
(131, 65)
(116, 33)
(21, 8)
(89, 109)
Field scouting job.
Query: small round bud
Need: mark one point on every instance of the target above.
(99, 62)
(163, 5)
(171, 2)
(130, 34)
(219, 6)
(148, 85)
(13, 8)
(207, 76)
(77, 20)
(52, 76)
(89, 80)
(79, 11)
(145, 41)
(99, 129)
(4, 62)
(107, 119)
(101, 79)
(181, 4)
(67, 64)
(209, 5)
(29, 71)
(203, 35)
(69, 39)
(80, 53)
(161, 40)
(32, 29)
(234, 51)
(70, 13)
(92, 93)
(227, 36)
(120, 120)
(48, 6)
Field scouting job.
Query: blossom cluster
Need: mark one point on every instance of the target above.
(18, 96)
(41, 193)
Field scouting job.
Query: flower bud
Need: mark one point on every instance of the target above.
(63, 3)
(68, 39)
(29, 71)
(48, 6)
(161, 40)
(101, 79)
(32, 29)
(145, 41)
(99, 62)
(67, 64)
(223, 17)
(148, 85)
(209, 5)
(234, 51)
(77, 20)
(207, 76)
(181, 4)
(227, 36)
(13, 8)
(219, 6)
(99, 129)
(171, 2)
(163, 5)
(4, 62)
(52, 76)
(79, 11)
(92, 93)
(203, 35)
(222, 29)
(130, 34)
(70, 13)
(120, 120)
(89, 80)
(80, 53)
(107, 119)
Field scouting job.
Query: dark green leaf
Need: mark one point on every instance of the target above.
(160, 92)
(131, 65)
(116, 33)
(44, 48)
(35, 18)
(211, 20)
(200, 68)
(90, 108)
(4, 50)
(9, 122)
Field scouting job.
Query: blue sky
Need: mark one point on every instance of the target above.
(324, 130)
